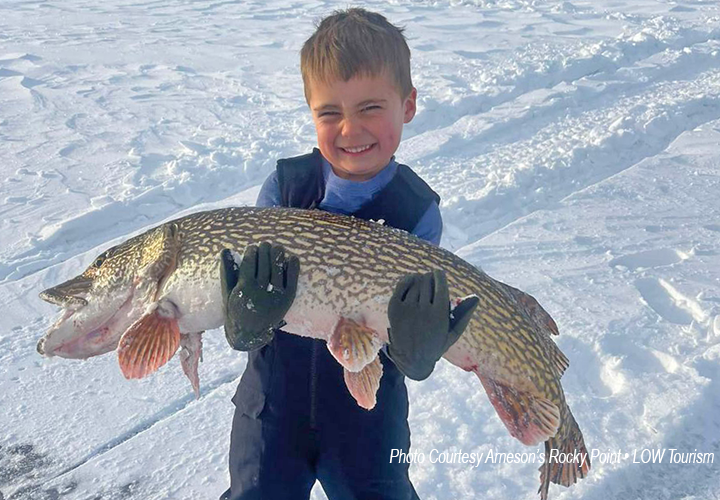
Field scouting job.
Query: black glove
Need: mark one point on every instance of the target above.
(421, 326)
(257, 294)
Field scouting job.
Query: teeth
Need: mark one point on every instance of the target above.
(358, 150)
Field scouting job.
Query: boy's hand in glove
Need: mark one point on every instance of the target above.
(257, 293)
(421, 326)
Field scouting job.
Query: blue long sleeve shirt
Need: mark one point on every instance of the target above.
(344, 196)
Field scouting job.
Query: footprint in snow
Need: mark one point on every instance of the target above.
(662, 297)
(671, 304)
(649, 259)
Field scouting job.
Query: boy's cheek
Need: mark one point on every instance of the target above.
(325, 128)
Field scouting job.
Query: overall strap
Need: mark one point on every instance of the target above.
(402, 203)
(301, 180)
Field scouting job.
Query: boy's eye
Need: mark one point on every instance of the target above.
(328, 113)
(371, 107)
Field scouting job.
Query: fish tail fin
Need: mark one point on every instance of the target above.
(568, 442)
(545, 471)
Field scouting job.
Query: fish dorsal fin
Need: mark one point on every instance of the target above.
(353, 344)
(150, 342)
(532, 307)
(560, 361)
(363, 385)
(530, 418)
(543, 323)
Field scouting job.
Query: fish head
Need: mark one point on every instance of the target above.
(98, 305)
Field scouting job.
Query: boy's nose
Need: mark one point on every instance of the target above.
(350, 126)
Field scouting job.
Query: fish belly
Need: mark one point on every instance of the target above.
(199, 304)
(316, 319)
(461, 355)
(313, 314)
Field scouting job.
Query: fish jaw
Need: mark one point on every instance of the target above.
(69, 294)
(90, 330)
(97, 341)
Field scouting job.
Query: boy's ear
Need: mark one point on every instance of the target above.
(410, 106)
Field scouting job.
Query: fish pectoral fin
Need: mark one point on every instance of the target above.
(530, 418)
(148, 344)
(190, 356)
(363, 385)
(353, 344)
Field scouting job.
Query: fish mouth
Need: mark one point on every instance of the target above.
(55, 326)
(63, 339)
(75, 347)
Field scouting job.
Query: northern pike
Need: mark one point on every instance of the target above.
(157, 292)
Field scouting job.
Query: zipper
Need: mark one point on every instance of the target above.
(313, 382)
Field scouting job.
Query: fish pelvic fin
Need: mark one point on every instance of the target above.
(190, 356)
(569, 441)
(363, 385)
(150, 342)
(353, 344)
(528, 417)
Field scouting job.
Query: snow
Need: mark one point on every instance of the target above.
(576, 148)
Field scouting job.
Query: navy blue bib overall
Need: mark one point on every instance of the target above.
(295, 421)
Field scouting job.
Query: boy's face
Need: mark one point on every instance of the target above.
(359, 123)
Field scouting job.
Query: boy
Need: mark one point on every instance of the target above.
(295, 421)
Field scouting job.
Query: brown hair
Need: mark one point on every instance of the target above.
(356, 42)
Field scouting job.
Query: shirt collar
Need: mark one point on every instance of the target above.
(372, 185)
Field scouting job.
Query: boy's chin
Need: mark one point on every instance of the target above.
(355, 172)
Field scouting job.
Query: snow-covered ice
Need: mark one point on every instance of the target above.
(576, 146)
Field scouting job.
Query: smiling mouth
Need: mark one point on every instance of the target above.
(358, 150)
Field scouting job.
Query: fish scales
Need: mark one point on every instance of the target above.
(349, 269)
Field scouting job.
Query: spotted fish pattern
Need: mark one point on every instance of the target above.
(349, 269)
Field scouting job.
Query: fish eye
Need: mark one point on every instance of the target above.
(99, 261)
